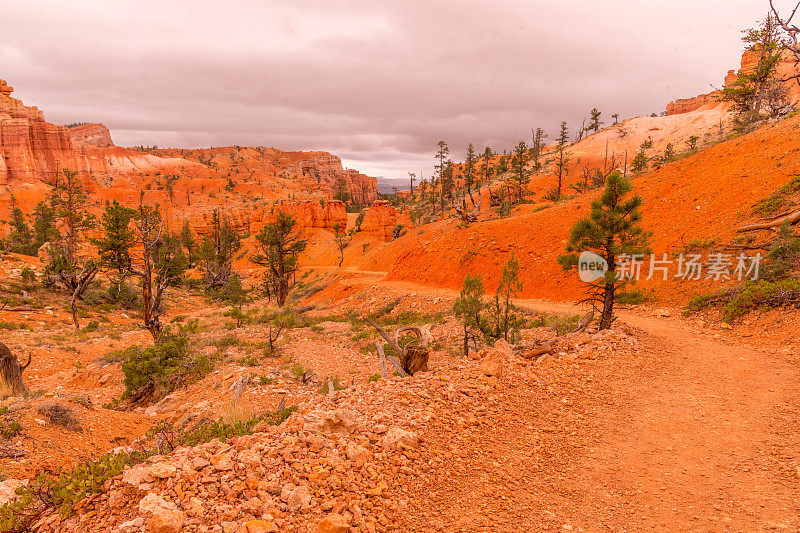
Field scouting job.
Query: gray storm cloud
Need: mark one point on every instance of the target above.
(378, 83)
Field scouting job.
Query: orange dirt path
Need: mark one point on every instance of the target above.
(698, 433)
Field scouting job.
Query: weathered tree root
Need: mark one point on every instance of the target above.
(549, 347)
(791, 219)
(414, 356)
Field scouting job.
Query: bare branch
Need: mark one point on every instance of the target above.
(385, 336)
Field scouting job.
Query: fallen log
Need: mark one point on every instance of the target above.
(791, 219)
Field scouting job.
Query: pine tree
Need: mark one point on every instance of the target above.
(70, 203)
(341, 193)
(502, 164)
(538, 144)
(341, 243)
(612, 229)
(594, 121)
(66, 266)
(20, 237)
(115, 244)
(217, 252)
(469, 167)
(669, 153)
(447, 182)
(563, 135)
(280, 247)
(562, 163)
(468, 306)
(486, 164)
(519, 166)
(501, 320)
(759, 89)
(188, 243)
(44, 224)
(158, 262)
(639, 163)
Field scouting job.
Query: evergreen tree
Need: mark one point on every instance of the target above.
(280, 247)
(536, 150)
(611, 230)
(469, 167)
(188, 243)
(502, 165)
(20, 237)
(447, 182)
(70, 203)
(639, 163)
(669, 153)
(66, 266)
(217, 252)
(486, 164)
(501, 321)
(468, 306)
(341, 242)
(341, 193)
(115, 244)
(519, 166)
(594, 120)
(562, 163)
(758, 90)
(158, 262)
(563, 135)
(44, 224)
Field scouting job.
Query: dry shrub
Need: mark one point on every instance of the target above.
(60, 415)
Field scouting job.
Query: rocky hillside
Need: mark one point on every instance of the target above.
(244, 182)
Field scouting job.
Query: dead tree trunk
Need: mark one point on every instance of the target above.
(791, 219)
(11, 383)
(414, 356)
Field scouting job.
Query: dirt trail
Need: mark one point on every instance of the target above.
(697, 434)
(704, 442)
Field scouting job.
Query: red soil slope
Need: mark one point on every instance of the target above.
(702, 197)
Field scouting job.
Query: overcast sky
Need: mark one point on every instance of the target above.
(376, 82)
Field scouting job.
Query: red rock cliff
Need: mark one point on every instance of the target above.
(786, 67)
(91, 135)
(327, 169)
(381, 218)
(30, 148)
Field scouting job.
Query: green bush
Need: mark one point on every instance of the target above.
(238, 315)
(9, 428)
(232, 292)
(632, 297)
(123, 295)
(561, 323)
(92, 326)
(28, 276)
(161, 368)
(751, 296)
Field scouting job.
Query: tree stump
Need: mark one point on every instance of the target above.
(11, 383)
(413, 357)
